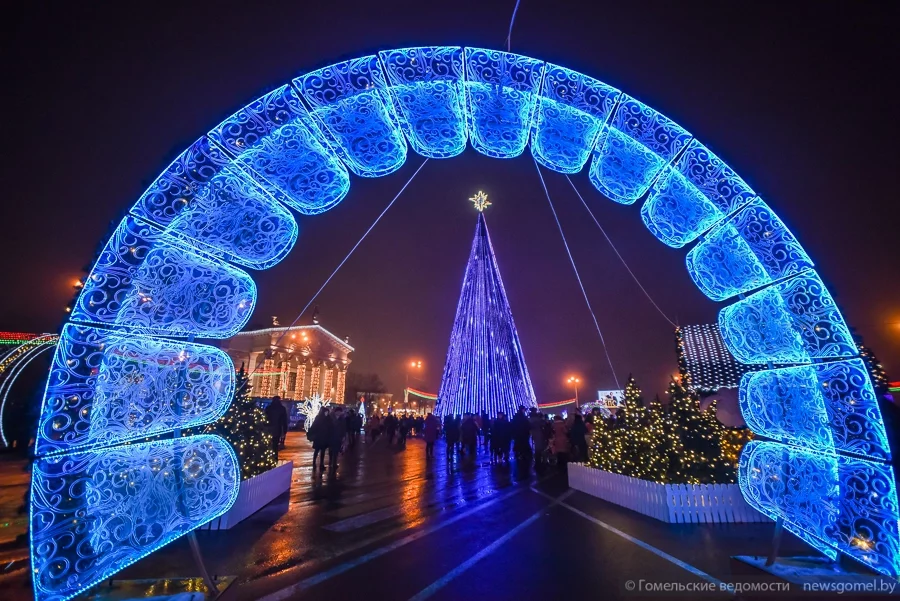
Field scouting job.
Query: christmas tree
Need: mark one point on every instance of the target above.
(485, 369)
(693, 435)
(245, 426)
(876, 371)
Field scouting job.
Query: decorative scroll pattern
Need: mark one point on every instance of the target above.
(758, 329)
(826, 406)
(572, 111)
(791, 322)
(349, 103)
(832, 502)
(427, 92)
(202, 200)
(272, 138)
(501, 94)
(690, 198)
(106, 388)
(639, 144)
(751, 249)
(96, 512)
(146, 282)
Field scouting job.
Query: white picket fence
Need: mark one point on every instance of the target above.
(254, 494)
(673, 503)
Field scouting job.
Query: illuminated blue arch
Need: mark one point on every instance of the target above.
(174, 269)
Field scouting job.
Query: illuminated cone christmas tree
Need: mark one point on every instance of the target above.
(485, 369)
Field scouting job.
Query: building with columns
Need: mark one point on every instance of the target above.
(294, 363)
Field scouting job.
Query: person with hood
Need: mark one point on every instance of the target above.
(468, 433)
(560, 442)
(277, 419)
(319, 433)
(432, 429)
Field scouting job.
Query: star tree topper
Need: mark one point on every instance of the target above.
(481, 201)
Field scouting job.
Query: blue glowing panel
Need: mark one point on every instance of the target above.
(572, 110)
(759, 329)
(501, 94)
(106, 388)
(94, 513)
(210, 204)
(750, 250)
(825, 406)
(273, 139)
(640, 143)
(426, 87)
(835, 503)
(350, 105)
(691, 197)
(791, 322)
(147, 282)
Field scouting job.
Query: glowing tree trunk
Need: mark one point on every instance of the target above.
(485, 369)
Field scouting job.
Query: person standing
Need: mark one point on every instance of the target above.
(336, 441)
(560, 442)
(486, 430)
(373, 425)
(521, 430)
(277, 418)
(501, 437)
(536, 424)
(578, 434)
(451, 431)
(432, 429)
(319, 433)
(468, 433)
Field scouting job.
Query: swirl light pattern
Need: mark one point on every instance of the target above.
(272, 139)
(107, 388)
(640, 143)
(791, 322)
(205, 201)
(833, 502)
(501, 95)
(825, 406)
(690, 198)
(572, 111)
(169, 270)
(426, 88)
(145, 281)
(750, 250)
(350, 105)
(96, 512)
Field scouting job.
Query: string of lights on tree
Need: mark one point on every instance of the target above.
(485, 369)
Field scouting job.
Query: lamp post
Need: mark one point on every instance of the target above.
(413, 364)
(575, 381)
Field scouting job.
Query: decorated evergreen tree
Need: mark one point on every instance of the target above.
(876, 371)
(244, 425)
(660, 455)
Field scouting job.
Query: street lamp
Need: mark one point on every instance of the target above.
(413, 364)
(575, 381)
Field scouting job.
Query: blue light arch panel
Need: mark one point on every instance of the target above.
(204, 200)
(691, 197)
(350, 105)
(96, 512)
(640, 143)
(791, 322)
(750, 250)
(572, 111)
(426, 88)
(501, 96)
(833, 502)
(106, 388)
(146, 282)
(273, 139)
(827, 406)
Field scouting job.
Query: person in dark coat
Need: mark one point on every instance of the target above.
(319, 433)
(577, 435)
(451, 431)
(521, 431)
(501, 436)
(486, 430)
(277, 418)
(468, 433)
(431, 431)
(336, 440)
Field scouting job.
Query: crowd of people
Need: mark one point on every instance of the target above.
(528, 435)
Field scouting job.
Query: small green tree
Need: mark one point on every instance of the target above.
(245, 426)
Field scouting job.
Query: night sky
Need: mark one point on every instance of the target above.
(800, 98)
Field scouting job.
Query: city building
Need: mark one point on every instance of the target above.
(294, 363)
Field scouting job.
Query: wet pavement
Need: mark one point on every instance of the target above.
(393, 525)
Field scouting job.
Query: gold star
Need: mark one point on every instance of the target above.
(481, 201)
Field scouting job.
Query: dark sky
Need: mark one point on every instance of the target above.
(799, 97)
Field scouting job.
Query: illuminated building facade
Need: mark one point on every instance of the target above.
(292, 362)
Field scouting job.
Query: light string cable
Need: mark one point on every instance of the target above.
(578, 277)
(621, 258)
(262, 357)
(511, 22)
